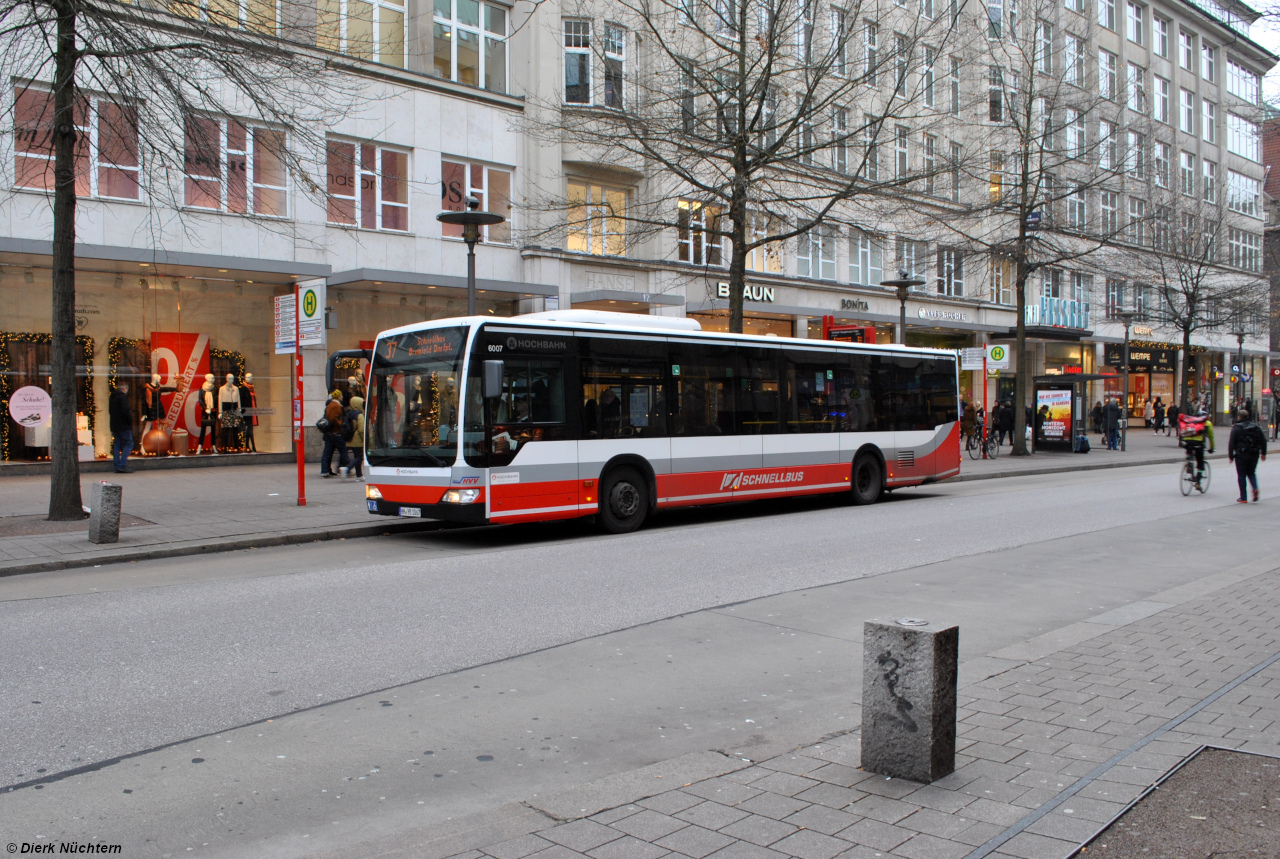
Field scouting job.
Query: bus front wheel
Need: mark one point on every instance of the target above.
(624, 501)
(867, 480)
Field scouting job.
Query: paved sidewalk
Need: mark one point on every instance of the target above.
(200, 510)
(1057, 738)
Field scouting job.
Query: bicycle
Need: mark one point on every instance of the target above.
(1187, 477)
(980, 441)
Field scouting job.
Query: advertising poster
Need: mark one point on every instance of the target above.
(182, 360)
(1057, 423)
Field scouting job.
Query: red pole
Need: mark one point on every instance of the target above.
(297, 397)
(988, 426)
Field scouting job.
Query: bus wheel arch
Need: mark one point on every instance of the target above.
(868, 475)
(628, 511)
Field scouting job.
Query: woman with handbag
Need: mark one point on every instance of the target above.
(330, 427)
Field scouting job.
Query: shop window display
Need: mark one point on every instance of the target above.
(24, 360)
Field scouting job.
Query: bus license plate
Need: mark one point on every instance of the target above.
(373, 506)
(411, 512)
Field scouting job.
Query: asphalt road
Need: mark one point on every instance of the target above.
(282, 701)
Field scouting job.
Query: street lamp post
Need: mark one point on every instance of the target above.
(903, 283)
(1127, 317)
(471, 220)
(1239, 374)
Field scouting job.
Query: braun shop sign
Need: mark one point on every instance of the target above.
(1143, 359)
(749, 292)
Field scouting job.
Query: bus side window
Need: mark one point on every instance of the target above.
(812, 402)
(939, 382)
(623, 388)
(757, 392)
(857, 407)
(706, 384)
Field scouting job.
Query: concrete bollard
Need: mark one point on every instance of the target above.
(104, 518)
(909, 669)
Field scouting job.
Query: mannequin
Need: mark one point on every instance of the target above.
(249, 400)
(155, 433)
(208, 417)
(230, 421)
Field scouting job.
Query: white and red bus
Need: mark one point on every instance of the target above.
(574, 413)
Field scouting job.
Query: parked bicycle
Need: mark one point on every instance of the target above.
(979, 440)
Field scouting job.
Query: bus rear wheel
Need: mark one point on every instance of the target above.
(867, 480)
(624, 501)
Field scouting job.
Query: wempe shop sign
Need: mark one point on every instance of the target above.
(1142, 359)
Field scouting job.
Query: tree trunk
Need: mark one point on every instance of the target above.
(1184, 396)
(64, 480)
(737, 273)
(1022, 378)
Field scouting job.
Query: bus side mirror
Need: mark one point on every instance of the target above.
(491, 380)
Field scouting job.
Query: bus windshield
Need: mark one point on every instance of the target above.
(413, 402)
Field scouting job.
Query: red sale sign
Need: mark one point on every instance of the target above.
(182, 360)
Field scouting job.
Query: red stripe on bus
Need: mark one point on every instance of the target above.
(400, 493)
(711, 487)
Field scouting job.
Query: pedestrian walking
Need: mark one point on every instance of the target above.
(1247, 443)
(120, 415)
(1095, 417)
(333, 441)
(1111, 422)
(968, 419)
(355, 413)
(1148, 413)
(1004, 421)
(1171, 418)
(1158, 423)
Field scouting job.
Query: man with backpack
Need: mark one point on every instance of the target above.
(1247, 443)
(332, 433)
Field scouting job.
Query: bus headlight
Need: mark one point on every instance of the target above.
(372, 493)
(461, 496)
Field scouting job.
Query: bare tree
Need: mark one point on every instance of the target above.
(1203, 276)
(1045, 181)
(152, 86)
(748, 122)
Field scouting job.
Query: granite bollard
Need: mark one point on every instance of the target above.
(909, 669)
(104, 517)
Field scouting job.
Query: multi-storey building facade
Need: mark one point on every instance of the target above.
(460, 95)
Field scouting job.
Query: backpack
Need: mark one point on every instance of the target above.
(1251, 441)
(1190, 425)
(349, 424)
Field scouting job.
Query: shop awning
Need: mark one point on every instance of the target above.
(447, 285)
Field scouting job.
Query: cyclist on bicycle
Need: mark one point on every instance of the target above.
(1194, 431)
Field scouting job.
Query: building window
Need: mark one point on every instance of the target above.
(1137, 88)
(1077, 213)
(235, 167)
(804, 32)
(870, 53)
(995, 18)
(1076, 144)
(954, 81)
(371, 30)
(597, 219)
(1115, 297)
(871, 149)
(696, 234)
(1242, 137)
(615, 55)
(926, 76)
(866, 259)
(1209, 121)
(1187, 174)
(1186, 50)
(1208, 62)
(1135, 157)
(950, 279)
(368, 186)
(929, 156)
(995, 94)
(953, 173)
(1107, 82)
(1242, 82)
(1137, 221)
(1134, 20)
(1109, 203)
(1002, 279)
(766, 257)
(1161, 102)
(257, 16)
(577, 62)
(1242, 194)
(995, 177)
(913, 258)
(1244, 249)
(1044, 47)
(901, 59)
(839, 38)
(1161, 156)
(1073, 59)
(1107, 13)
(1187, 113)
(1081, 286)
(840, 140)
(901, 152)
(816, 253)
(106, 164)
(1108, 157)
(1210, 183)
(1075, 5)
(1051, 283)
(1160, 28)
(489, 185)
(467, 51)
